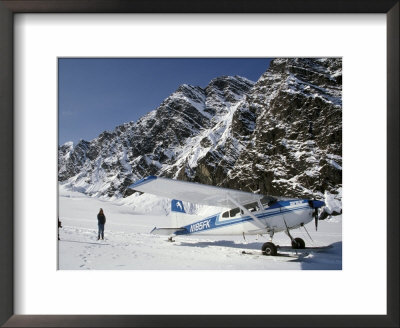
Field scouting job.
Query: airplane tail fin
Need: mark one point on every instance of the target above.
(177, 206)
(179, 217)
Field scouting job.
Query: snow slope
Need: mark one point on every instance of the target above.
(129, 245)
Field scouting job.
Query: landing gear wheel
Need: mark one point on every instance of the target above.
(298, 243)
(268, 249)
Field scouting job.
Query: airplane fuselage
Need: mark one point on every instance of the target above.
(277, 217)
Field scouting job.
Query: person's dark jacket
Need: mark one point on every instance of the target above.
(101, 218)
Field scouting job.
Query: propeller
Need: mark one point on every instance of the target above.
(316, 204)
(316, 218)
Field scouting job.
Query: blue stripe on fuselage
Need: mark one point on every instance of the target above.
(212, 222)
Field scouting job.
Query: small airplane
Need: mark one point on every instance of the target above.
(247, 213)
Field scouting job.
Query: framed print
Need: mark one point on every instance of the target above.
(38, 36)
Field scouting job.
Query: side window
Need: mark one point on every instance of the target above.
(234, 212)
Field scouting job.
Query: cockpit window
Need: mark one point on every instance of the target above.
(234, 212)
(252, 207)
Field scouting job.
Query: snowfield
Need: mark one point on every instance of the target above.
(129, 245)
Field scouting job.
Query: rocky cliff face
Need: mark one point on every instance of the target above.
(296, 144)
(280, 136)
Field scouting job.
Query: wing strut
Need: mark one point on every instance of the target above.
(245, 210)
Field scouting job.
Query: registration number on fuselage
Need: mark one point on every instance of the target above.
(200, 225)
(298, 202)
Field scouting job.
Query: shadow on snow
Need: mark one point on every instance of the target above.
(329, 258)
(222, 243)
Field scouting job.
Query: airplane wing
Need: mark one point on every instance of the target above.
(193, 192)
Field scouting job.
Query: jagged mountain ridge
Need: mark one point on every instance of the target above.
(280, 135)
(167, 141)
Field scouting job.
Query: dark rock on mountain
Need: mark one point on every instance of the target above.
(296, 143)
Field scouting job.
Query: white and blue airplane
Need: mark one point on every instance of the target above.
(247, 213)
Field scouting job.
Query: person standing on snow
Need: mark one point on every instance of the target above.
(59, 226)
(101, 220)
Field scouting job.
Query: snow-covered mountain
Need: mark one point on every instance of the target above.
(280, 136)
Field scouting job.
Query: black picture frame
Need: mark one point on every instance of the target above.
(10, 7)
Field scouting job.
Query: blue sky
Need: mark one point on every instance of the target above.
(98, 94)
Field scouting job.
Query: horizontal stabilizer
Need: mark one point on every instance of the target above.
(166, 231)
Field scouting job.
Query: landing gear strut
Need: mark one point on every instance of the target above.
(269, 248)
(297, 243)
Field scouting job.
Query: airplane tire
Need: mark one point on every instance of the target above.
(268, 249)
(298, 243)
